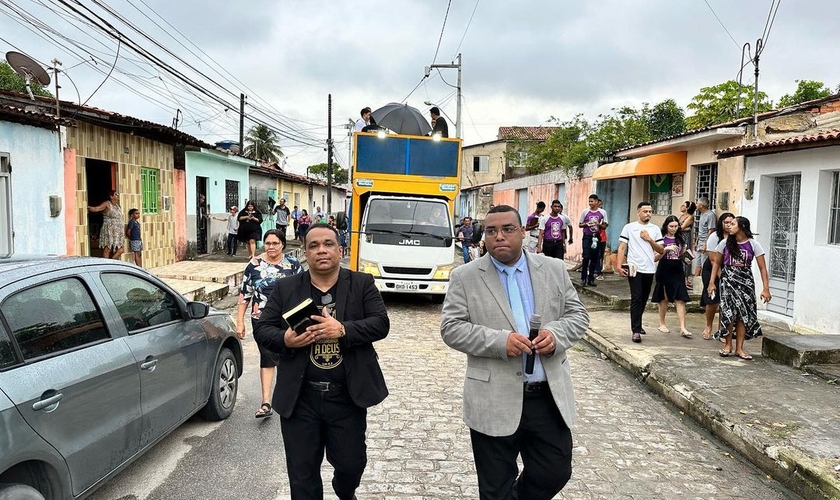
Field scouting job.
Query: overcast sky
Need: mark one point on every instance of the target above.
(523, 62)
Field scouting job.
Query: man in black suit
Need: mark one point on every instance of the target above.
(329, 375)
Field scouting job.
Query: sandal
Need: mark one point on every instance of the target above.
(707, 334)
(685, 333)
(745, 357)
(724, 353)
(663, 329)
(264, 411)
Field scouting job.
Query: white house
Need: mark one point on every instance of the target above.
(792, 199)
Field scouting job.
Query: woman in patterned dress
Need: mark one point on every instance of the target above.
(686, 220)
(112, 233)
(260, 278)
(733, 257)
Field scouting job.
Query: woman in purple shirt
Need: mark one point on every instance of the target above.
(733, 257)
(670, 276)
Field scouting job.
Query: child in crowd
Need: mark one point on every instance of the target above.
(232, 230)
(135, 242)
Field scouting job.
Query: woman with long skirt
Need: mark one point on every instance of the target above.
(738, 312)
(670, 276)
(712, 302)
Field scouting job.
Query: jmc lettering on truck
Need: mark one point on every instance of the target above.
(402, 208)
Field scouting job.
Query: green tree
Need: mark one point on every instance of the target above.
(319, 171)
(724, 102)
(806, 90)
(563, 148)
(11, 81)
(622, 128)
(262, 144)
(666, 119)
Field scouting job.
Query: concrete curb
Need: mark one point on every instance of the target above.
(802, 474)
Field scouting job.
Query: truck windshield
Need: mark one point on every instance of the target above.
(409, 216)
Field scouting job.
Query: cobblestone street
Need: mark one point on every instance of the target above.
(629, 444)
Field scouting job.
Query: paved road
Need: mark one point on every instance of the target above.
(629, 444)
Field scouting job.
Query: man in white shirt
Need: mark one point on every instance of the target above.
(364, 121)
(641, 240)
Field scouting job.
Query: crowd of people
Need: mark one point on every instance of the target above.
(722, 254)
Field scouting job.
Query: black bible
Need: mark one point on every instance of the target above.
(298, 317)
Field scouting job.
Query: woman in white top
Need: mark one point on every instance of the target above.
(734, 257)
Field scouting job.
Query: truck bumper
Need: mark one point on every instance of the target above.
(396, 285)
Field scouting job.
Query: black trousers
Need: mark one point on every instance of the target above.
(324, 421)
(554, 249)
(639, 294)
(282, 228)
(590, 259)
(545, 443)
(602, 249)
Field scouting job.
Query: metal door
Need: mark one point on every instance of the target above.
(782, 254)
(201, 214)
(522, 204)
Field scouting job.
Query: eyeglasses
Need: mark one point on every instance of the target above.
(492, 231)
(272, 243)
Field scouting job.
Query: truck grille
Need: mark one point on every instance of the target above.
(407, 270)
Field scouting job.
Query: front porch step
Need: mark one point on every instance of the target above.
(799, 350)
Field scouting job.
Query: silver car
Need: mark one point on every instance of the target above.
(99, 360)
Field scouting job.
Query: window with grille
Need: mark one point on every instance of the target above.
(659, 193)
(661, 203)
(834, 209)
(481, 163)
(707, 183)
(231, 194)
(150, 186)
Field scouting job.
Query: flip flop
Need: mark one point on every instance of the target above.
(707, 334)
(686, 334)
(264, 411)
(745, 357)
(664, 329)
(724, 353)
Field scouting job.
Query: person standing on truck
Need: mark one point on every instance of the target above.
(440, 126)
(364, 121)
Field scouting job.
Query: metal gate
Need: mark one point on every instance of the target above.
(784, 231)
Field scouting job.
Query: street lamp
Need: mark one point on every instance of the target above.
(458, 108)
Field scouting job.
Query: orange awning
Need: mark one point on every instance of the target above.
(664, 163)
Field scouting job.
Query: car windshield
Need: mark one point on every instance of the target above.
(409, 216)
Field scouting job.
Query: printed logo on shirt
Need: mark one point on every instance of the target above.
(326, 354)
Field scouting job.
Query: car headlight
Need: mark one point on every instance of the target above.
(442, 272)
(366, 266)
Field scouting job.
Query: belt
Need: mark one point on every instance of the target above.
(536, 387)
(324, 386)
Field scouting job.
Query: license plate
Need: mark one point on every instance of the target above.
(406, 286)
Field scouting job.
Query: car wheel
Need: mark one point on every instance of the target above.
(224, 388)
(19, 492)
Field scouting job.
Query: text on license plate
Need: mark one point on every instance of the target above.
(406, 286)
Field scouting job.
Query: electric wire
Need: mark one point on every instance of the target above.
(721, 23)
(467, 28)
(442, 28)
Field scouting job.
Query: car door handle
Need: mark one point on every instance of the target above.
(149, 364)
(45, 403)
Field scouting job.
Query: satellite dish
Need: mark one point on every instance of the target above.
(30, 70)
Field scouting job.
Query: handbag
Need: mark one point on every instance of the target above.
(687, 257)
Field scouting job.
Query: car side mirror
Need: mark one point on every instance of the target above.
(197, 310)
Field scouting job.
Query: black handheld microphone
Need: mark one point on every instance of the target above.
(532, 334)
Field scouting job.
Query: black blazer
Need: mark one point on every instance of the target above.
(359, 307)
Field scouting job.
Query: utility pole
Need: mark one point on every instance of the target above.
(458, 106)
(329, 153)
(56, 63)
(242, 124)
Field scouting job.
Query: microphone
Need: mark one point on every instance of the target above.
(532, 334)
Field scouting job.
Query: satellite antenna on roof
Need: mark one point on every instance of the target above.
(30, 70)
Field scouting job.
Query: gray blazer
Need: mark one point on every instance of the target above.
(476, 320)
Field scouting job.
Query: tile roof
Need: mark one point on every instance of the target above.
(804, 140)
(526, 133)
(35, 117)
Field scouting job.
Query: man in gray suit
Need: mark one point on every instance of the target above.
(510, 411)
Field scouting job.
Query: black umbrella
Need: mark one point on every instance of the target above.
(402, 119)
